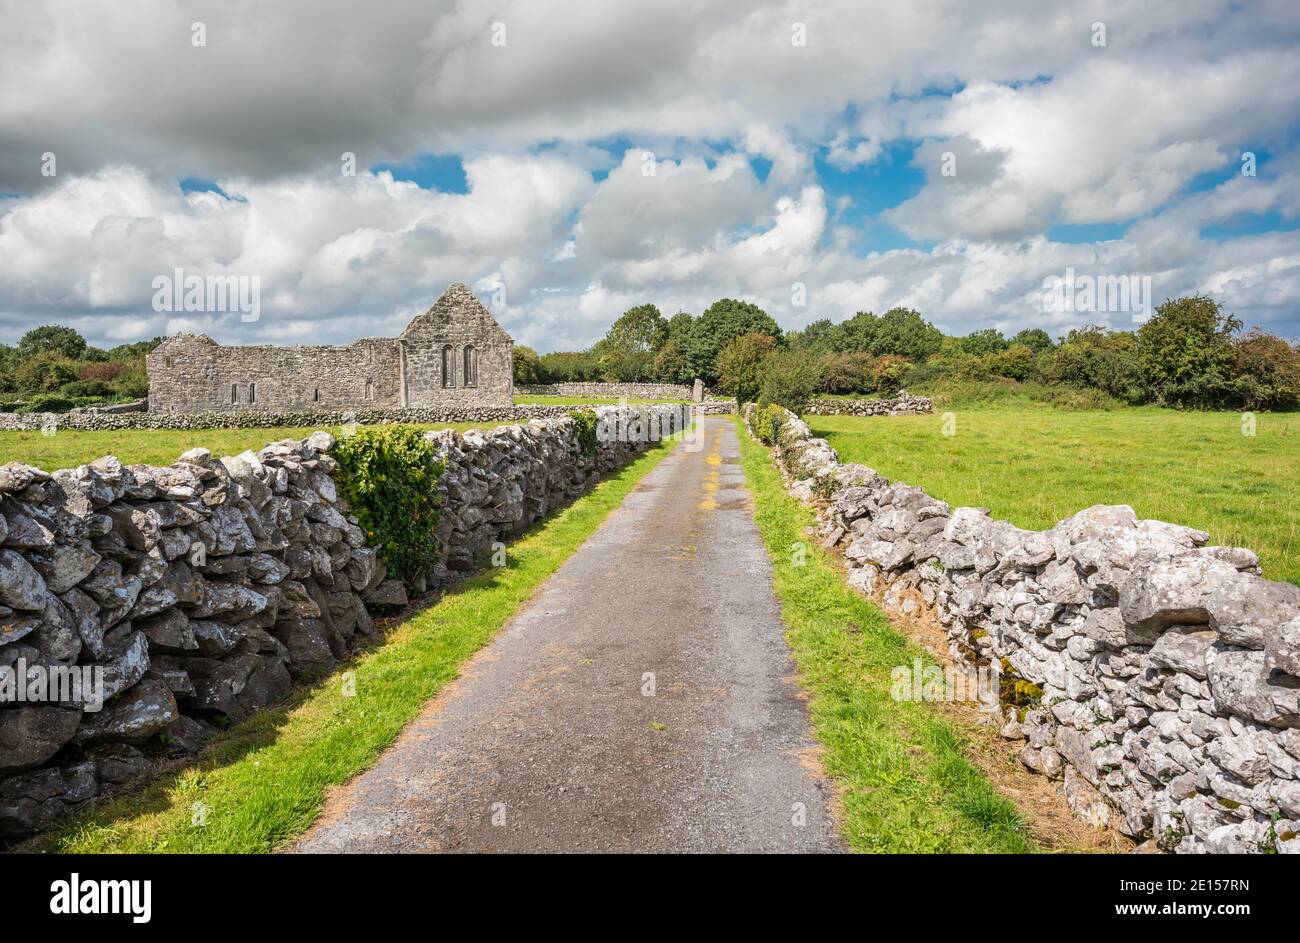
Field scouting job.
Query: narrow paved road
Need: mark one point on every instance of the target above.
(643, 701)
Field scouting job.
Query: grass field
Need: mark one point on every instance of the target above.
(1034, 465)
(70, 448)
(903, 779)
(264, 781)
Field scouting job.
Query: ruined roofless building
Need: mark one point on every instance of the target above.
(455, 354)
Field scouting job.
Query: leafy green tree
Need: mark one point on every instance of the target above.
(987, 341)
(888, 373)
(1017, 362)
(857, 334)
(671, 365)
(790, 379)
(740, 365)
(55, 339)
(527, 366)
(1268, 372)
(904, 333)
(641, 329)
(1094, 357)
(1035, 338)
(44, 372)
(849, 372)
(817, 338)
(570, 366)
(722, 321)
(1186, 352)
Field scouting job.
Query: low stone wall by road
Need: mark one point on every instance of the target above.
(1159, 677)
(88, 421)
(193, 595)
(904, 404)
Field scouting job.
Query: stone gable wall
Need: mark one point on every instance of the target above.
(1169, 671)
(203, 590)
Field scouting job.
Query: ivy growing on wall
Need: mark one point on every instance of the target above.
(584, 421)
(390, 479)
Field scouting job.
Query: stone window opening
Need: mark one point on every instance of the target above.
(448, 366)
(168, 361)
(234, 393)
(370, 389)
(252, 393)
(470, 373)
(315, 396)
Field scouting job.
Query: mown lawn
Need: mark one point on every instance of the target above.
(905, 784)
(264, 781)
(68, 448)
(1035, 465)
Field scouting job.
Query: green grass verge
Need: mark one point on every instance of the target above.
(1037, 465)
(265, 780)
(69, 448)
(905, 783)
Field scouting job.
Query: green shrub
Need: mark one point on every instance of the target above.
(584, 423)
(47, 403)
(390, 479)
(767, 423)
(790, 379)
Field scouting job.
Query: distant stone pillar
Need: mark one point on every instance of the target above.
(697, 394)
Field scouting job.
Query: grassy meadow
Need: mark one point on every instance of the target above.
(1036, 464)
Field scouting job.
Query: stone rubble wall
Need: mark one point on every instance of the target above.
(904, 404)
(676, 391)
(261, 419)
(205, 589)
(1162, 675)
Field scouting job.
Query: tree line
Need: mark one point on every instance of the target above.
(1190, 353)
(53, 369)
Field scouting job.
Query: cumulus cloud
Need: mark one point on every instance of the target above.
(553, 121)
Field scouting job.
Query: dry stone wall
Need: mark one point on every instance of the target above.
(86, 421)
(1159, 677)
(672, 391)
(904, 404)
(188, 596)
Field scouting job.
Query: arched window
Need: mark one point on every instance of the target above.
(448, 368)
(470, 372)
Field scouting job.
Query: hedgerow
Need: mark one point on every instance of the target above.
(390, 479)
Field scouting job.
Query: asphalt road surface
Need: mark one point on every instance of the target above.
(643, 701)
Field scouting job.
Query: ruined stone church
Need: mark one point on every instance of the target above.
(453, 354)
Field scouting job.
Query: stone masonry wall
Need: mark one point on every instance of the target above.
(200, 592)
(87, 421)
(191, 373)
(904, 404)
(1163, 675)
(669, 391)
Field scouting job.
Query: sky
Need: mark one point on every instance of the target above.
(570, 160)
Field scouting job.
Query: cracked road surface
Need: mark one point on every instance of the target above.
(643, 701)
